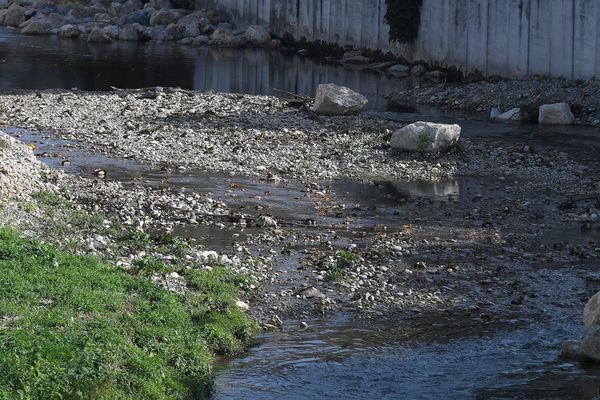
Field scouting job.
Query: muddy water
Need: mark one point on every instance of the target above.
(337, 357)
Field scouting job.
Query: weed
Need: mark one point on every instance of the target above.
(423, 142)
(74, 327)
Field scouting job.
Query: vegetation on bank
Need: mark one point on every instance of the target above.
(74, 327)
(404, 19)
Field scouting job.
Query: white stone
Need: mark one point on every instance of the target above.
(426, 137)
(590, 345)
(556, 114)
(514, 114)
(340, 100)
(591, 312)
(241, 305)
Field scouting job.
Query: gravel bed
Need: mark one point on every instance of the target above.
(582, 96)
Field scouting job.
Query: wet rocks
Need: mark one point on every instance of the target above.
(556, 114)
(399, 70)
(129, 33)
(163, 17)
(257, 35)
(426, 137)
(514, 114)
(225, 38)
(338, 100)
(264, 221)
(98, 36)
(15, 15)
(37, 27)
(590, 345)
(69, 31)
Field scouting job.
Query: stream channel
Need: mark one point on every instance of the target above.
(337, 356)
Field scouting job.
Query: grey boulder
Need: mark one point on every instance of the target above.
(426, 137)
(338, 100)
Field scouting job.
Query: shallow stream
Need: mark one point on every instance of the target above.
(431, 357)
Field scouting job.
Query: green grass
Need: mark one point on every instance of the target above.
(343, 259)
(73, 327)
(3, 144)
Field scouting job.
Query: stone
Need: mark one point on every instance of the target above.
(264, 221)
(399, 70)
(571, 349)
(226, 38)
(426, 137)
(163, 17)
(191, 30)
(15, 15)
(157, 33)
(69, 31)
(591, 312)
(129, 34)
(355, 57)
(200, 40)
(242, 305)
(112, 31)
(418, 70)
(257, 35)
(102, 18)
(37, 27)
(436, 76)
(98, 36)
(556, 114)
(141, 17)
(338, 100)
(313, 293)
(590, 345)
(514, 114)
(175, 31)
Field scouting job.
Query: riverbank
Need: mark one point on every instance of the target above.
(528, 93)
(312, 214)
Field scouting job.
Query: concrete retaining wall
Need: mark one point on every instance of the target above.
(507, 37)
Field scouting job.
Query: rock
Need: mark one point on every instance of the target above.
(191, 30)
(264, 221)
(37, 27)
(556, 114)
(436, 76)
(590, 345)
(157, 33)
(224, 37)
(4, 4)
(129, 33)
(591, 312)
(399, 70)
(163, 17)
(69, 31)
(571, 349)
(313, 293)
(175, 31)
(200, 40)
(15, 15)
(339, 100)
(141, 17)
(354, 57)
(242, 306)
(418, 70)
(514, 114)
(112, 31)
(426, 137)
(98, 36)
(102, 18)
(257, 35)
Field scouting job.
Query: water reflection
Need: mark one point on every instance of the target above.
(50, 62)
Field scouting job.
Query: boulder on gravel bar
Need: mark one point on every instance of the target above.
(556, 114)
(98, 36)
(426, 137)
(514, 114)
(37, 27)
(591, 312)
(338, 100)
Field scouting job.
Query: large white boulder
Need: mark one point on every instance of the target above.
(426, 137)
(556, 114)
(340, 100)
(590, 345)
(591, 312)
